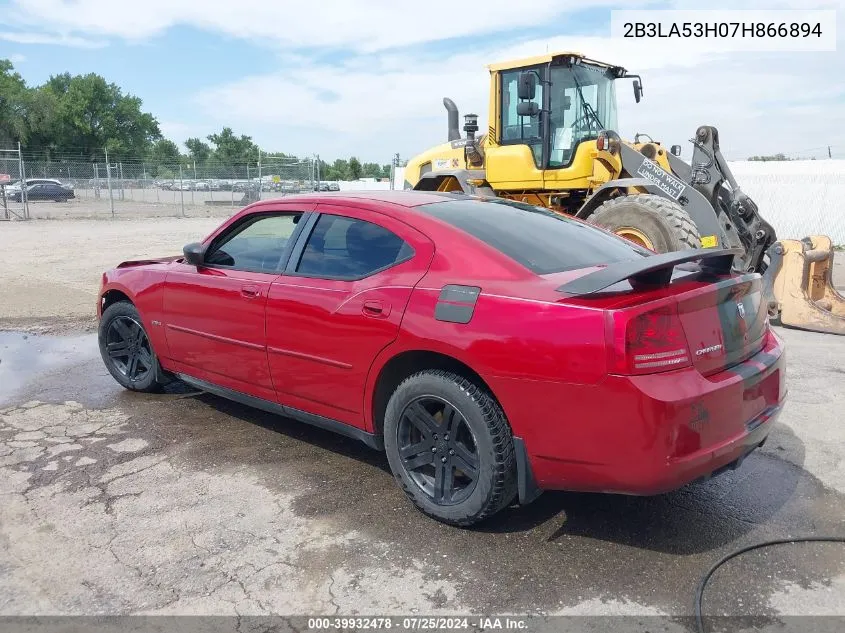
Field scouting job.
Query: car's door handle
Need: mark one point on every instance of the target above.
(375, 308)
(250, 292)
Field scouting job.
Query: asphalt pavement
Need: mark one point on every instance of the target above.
(183, 503)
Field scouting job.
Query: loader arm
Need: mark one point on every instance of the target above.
(710, 175)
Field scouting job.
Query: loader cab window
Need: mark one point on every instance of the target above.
(520, 130)
(583, 103)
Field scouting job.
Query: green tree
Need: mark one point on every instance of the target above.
(233, 150)
(92, 114)
(355, 169)
(13, 97)
(198, 150)
(771, 157)
(339, 170)
(41, 122)
(165, 152)
(385, 171)
(371, 170)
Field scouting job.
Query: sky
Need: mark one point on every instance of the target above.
(367, 77)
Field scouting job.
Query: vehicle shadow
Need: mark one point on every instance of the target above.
(314, 439)
(696, 518)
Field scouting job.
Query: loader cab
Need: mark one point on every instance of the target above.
(547, 116)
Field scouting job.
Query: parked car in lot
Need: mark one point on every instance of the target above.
(16, 186)
(44, 191)
(491, 348)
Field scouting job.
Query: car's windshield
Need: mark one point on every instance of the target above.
(583, 103)
(542, 241)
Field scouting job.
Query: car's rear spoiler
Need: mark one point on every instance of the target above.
(654, 270)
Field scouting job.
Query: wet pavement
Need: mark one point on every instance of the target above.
(115, 502)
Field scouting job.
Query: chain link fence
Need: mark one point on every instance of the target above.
(798, 197)
(139, 188)
(12, 202)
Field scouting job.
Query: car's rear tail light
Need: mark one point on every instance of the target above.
(648, 342)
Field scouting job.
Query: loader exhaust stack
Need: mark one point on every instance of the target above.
(454, 132)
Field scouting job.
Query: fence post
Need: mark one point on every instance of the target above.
(120, 175)
(108, 181)
(181, 192)
(22, 170)
(260, 183)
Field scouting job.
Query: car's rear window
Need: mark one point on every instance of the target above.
(540, 240)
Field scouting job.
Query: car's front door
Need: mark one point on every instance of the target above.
(339, 302)
(36, 192)
(214, 313)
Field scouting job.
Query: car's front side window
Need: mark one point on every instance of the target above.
(256, 245)
(348, 248)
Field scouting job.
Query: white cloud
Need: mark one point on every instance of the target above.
(365, 25)
(382, 104)
(50, 39)
(16, 58)
(385, 94)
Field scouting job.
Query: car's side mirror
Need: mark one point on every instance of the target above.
(194, 253)
(676, 150)
(527, 108)
(526, 85)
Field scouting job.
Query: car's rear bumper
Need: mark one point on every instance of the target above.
(650, 434)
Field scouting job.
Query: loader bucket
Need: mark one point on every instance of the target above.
(799, 287)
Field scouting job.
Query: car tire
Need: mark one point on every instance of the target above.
(664, 226)
(126, 349)
(481, 436)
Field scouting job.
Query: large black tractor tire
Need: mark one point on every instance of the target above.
(126, 349)
(442, 427)
(664, 224)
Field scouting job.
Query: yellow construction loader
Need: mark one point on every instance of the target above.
(551, 142)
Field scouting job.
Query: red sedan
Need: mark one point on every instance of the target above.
(492, 349)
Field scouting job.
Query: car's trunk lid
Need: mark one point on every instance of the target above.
(724, 323)
(723, 316)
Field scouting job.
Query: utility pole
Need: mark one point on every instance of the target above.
(393, 165)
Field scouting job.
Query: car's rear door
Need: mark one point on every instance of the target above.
(339, 302)
(214, 313)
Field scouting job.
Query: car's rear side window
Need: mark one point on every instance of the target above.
(542, 241)
(347, 248)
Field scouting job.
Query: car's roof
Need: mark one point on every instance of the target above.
(404, 198)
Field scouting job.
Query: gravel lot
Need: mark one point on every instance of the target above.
(181, 503)
(51, 269)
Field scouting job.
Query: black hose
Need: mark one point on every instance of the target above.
(699, 592)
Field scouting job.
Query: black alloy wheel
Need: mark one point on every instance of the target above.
(126, 349)
(438, 450)
(129, 349)
(450, 447)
